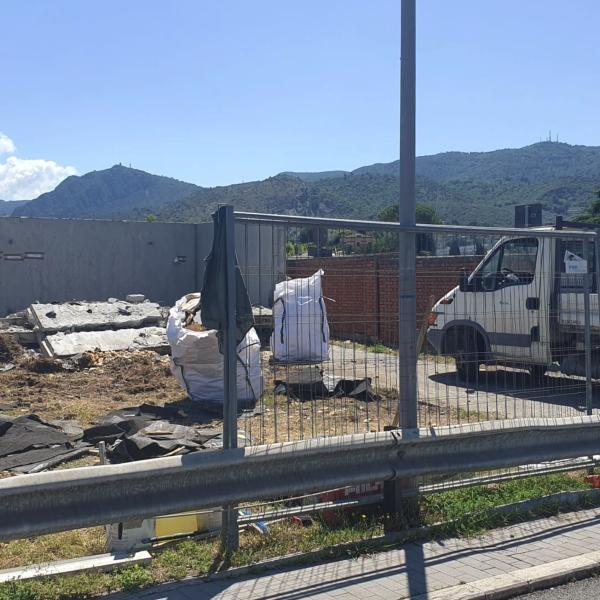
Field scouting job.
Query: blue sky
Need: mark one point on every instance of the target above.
(223, 92)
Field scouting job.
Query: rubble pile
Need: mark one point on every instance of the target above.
(67, 329)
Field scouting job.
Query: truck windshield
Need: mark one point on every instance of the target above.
(512, 263)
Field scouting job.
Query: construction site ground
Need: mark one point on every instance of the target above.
(103, 382)
(112, 380)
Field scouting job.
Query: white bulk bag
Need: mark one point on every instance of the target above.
(198, 365)
(300, 331)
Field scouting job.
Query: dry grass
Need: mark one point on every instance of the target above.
(283, 419)
(115, 380)
(56, 546)
(10, 350)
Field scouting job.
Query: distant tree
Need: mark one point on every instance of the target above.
(592, 214)
(423, 214)
(150, 218)
(425, 241)
(305, 235)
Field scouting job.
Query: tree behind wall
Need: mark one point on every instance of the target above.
(425, 242)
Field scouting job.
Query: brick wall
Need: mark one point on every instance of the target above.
(363, 290)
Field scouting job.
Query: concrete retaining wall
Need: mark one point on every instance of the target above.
(49, 260)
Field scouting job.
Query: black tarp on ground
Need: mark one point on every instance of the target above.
(28, 432)
(28, 444)
(157, 439)
(27, 440)
(147, 431)
(309, 383)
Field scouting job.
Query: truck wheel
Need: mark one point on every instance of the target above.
(467, 358)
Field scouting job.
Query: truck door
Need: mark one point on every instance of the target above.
(572, 267)
(509, 297)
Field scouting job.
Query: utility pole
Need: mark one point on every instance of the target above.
(407, 305)
(407, 297)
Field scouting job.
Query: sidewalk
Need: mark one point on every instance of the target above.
(449, 569)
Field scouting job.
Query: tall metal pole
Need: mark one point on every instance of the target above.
(230, 532)
(405, 510)
(407, 297)
(589, 402)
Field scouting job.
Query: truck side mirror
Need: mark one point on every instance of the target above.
(463, 282)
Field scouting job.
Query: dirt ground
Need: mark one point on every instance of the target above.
(112, 381)
(121, 379)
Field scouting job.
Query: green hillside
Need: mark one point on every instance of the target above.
(352, 196)
(114, 192)
(539, 162)
(479, 188)
(363, 196)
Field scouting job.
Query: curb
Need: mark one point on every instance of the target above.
(515, 583)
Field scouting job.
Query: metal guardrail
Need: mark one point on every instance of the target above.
(70, 499)
(300, 221)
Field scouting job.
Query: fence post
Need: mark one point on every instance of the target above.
(407, 319)
(230, 533)
(407, 299)
(589, 401)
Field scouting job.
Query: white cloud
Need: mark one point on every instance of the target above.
(25, 179)
(7, 146)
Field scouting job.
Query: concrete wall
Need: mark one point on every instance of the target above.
(50, 260)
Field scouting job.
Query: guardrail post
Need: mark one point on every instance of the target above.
(407, 320)
(230, 533)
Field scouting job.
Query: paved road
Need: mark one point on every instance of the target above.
(498, 393)
(586, 589)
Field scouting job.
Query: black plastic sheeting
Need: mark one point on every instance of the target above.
(28, 444)
(19, 434)
(309, 383)
(147, 431)
(26, 441)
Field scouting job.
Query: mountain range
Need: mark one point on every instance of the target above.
(111, 193)
(6, 207)
(463, 187)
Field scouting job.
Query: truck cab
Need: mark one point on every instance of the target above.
(522, 306)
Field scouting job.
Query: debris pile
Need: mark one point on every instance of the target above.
(67, 329)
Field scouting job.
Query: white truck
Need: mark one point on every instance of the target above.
(523, 306)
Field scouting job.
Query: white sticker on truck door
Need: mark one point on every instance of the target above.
(574, 263)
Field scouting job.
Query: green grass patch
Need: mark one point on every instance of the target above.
(376, 348)
(466, 511)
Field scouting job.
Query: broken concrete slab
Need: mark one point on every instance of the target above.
(18, 318)
(89, 316)
(70, 344)
(22, 335)
(135, 298)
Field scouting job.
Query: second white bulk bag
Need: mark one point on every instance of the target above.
(197, 363)
(300, 327)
